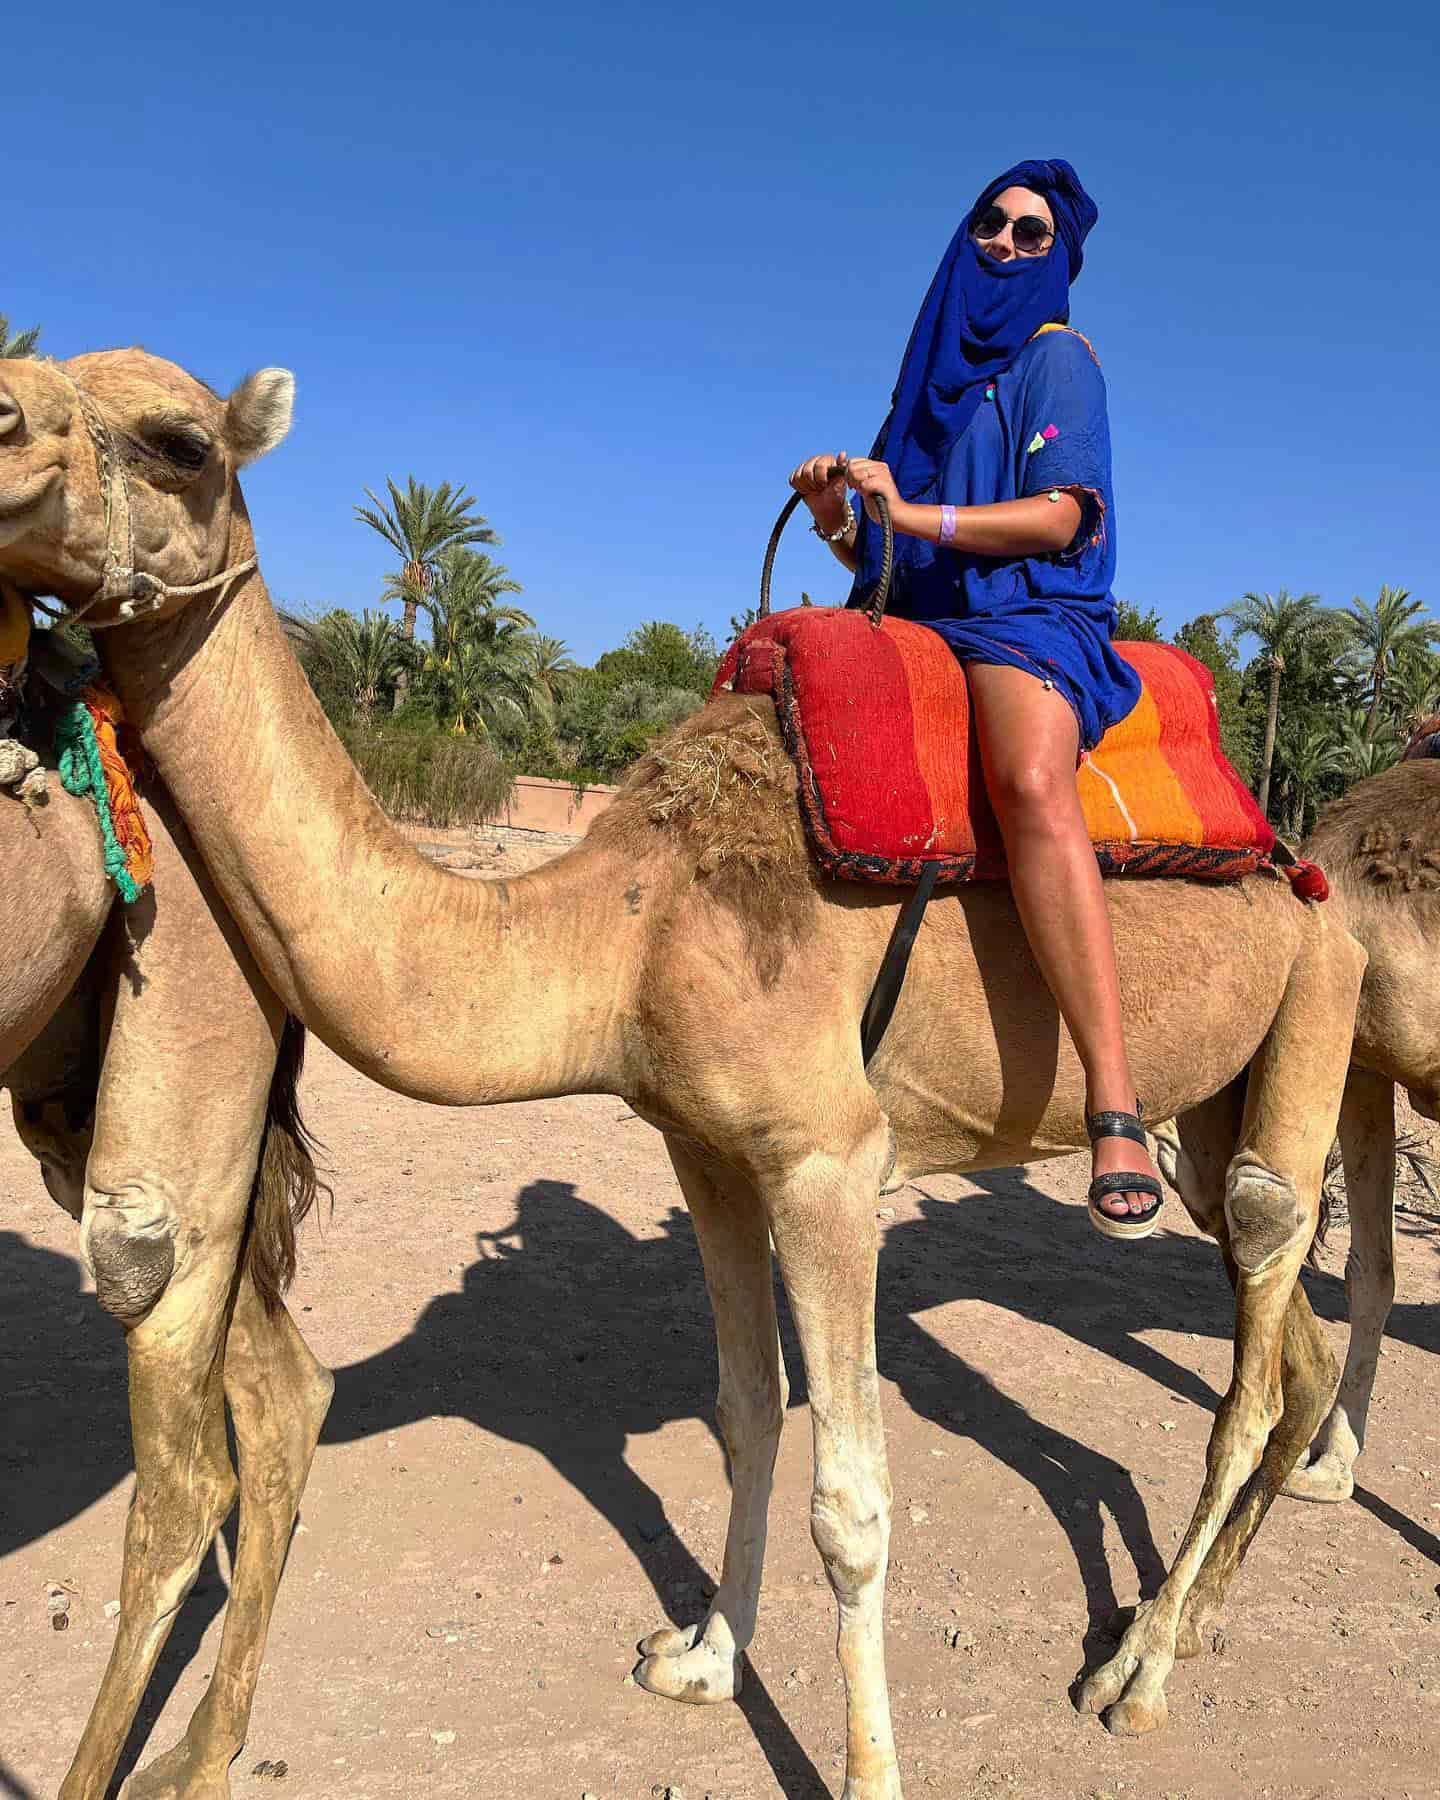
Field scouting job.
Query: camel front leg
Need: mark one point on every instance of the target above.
(181, 1111)
(1307, 1382)
(1367, 1144)
(184, 1489)
(278, 1395)
(822, 1218)
(701, 1664)
(1271, 1207)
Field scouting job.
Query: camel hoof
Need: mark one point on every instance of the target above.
(676, 1667)
(176, 1776)
(1105, 1686)
(668, 1641)
(1136, 1717)
(1326, 1482)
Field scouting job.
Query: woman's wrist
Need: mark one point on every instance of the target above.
(828, 512)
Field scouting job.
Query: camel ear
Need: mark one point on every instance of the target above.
(257, 414)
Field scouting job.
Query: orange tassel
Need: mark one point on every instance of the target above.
(131, 833)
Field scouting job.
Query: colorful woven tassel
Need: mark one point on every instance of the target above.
(91, 763)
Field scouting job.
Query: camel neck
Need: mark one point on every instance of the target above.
(449, 989)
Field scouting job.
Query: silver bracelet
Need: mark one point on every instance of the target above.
(846, 526)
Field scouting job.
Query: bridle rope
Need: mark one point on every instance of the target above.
(120, 580)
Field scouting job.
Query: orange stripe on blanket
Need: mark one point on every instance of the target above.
(944, 739)
(1132, 755)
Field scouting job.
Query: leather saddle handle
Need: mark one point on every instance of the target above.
(873, 604)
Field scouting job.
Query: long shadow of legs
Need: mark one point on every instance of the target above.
(12, 1787)
(929, 1261)
(636, 1353)
(64, 1387)
(1415, 1535)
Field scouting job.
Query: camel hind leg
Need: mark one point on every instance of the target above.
(1271, 1207)
(701, 1664)
(1367, 1145)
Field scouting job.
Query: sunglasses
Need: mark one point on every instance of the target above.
(1029, 235)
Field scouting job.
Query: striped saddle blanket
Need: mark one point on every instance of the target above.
(877, 723)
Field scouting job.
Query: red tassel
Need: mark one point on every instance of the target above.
(1308, 880)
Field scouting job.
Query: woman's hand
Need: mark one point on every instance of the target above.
(870, 478)
(821, 484)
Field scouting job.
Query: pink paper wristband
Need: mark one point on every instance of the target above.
(947, 524)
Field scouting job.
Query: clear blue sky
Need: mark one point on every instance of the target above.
(617, 268)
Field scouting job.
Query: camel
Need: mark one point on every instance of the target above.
(686, 957)
(187, 1216)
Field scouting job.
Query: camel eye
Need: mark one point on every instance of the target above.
(187, 450)
(183, 445)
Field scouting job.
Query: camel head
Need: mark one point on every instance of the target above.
(118, 482)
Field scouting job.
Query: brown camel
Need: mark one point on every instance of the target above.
(185, 1223)
(686, 957)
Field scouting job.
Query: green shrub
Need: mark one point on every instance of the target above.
(428, 775)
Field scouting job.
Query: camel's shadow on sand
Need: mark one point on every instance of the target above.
(552, 1343)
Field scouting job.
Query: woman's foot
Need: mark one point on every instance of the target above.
(1113, 1154)
(1121, 1207)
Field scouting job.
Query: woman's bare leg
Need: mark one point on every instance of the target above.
(1028, 746)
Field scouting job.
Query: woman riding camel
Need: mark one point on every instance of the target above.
(995, 461)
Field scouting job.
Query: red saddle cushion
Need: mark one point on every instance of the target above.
(877, 723)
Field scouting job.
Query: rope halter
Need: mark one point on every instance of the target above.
(136, 591)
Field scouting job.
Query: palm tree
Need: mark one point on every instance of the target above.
(421, 524)
(1308, 755)
(1282, 621)
(1413, 689)
(1359, 751)
(1379, 635)
(22, 344)
(465, 599)
(358, 657)
(550, 668)
(483, 686)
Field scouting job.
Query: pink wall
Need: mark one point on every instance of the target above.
(540, 805)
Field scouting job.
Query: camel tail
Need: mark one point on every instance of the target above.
(1322, 1231)
(286, 1180)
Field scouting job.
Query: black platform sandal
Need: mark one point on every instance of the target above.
(1128, 1226)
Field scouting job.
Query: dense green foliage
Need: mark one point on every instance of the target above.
(1309, 698)
(440, 725)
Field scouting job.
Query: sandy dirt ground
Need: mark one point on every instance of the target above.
(520, 1477)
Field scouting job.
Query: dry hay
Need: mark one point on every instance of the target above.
(721, 791)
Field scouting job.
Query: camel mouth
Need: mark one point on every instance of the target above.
(16, 506)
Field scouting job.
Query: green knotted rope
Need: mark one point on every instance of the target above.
(81, 773)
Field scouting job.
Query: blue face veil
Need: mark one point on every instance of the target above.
(976, 318)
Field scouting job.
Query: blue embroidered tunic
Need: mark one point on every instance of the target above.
(1042, 424)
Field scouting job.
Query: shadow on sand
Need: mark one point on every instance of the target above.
(492, 1354)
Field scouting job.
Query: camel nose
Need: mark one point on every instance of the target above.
(11, 417)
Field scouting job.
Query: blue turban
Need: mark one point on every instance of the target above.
(976, 318)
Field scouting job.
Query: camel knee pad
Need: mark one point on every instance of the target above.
(127, 1237)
